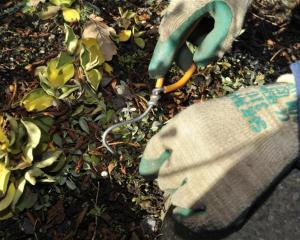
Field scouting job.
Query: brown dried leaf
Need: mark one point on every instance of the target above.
(111, 167)
(96, 28)
(56, 214)
(123, 169)
(49, 12)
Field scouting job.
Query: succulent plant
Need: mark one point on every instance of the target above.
(26, 157)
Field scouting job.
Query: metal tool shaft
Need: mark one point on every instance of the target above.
(151, 103)
(110, 129)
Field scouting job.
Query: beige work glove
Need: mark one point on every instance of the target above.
(211, 25)
(216, 158)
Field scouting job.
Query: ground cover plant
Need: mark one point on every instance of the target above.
(71, 68)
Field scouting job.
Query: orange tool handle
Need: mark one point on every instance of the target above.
(179, 84)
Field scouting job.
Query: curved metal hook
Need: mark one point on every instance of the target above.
(134, 120)
(152, 102)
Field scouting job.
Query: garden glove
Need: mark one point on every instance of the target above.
(186, 20)
(215, 159)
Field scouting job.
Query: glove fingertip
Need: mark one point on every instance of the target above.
(157, 68)
(180, 213)
(162, 58)
(150, 168)
(213, 45)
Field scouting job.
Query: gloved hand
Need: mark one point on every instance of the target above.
(187, 20)
(214, 159)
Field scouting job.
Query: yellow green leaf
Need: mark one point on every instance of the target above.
(108, 68)
(84, 56)
(33, 132)
(125, 35)
(94, 77)
(130, 14)
(37, 100)
(7, 200)
(13, 131)
(48, 159)
(41, 73)
(71, 40)
(138, 33)
(57, 77)
(121, 11)
(94, 49)
(31, 175)
(4, 178)
(96, 54)
(57, 166)
(19, 131)
(4, 215)
(3, 140)
(140, 42)
(33, 139)
(71, 15)
(63, 60)
(19, 191)
(91, 54)
(54, 75)
(66, 3)
(67, 91)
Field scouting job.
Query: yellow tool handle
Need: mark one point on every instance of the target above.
(179, 84)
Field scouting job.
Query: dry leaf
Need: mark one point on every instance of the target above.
(111, 167)
(123, 169)
(96, 18)
(49, 12)
(99, 30)
(56, 214)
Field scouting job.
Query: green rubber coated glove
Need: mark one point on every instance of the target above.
(215, 159)
(187, 20)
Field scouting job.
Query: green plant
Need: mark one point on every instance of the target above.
(129, 19)
(53, 81)
(51, 8)
(67, 73)
(26, 157)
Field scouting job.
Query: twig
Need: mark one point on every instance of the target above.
(13, 93)
(264, 19)
(136, 145)
(276, 54)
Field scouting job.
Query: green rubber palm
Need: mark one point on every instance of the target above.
(210, 25)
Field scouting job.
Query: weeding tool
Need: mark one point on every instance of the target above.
(154, 98)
